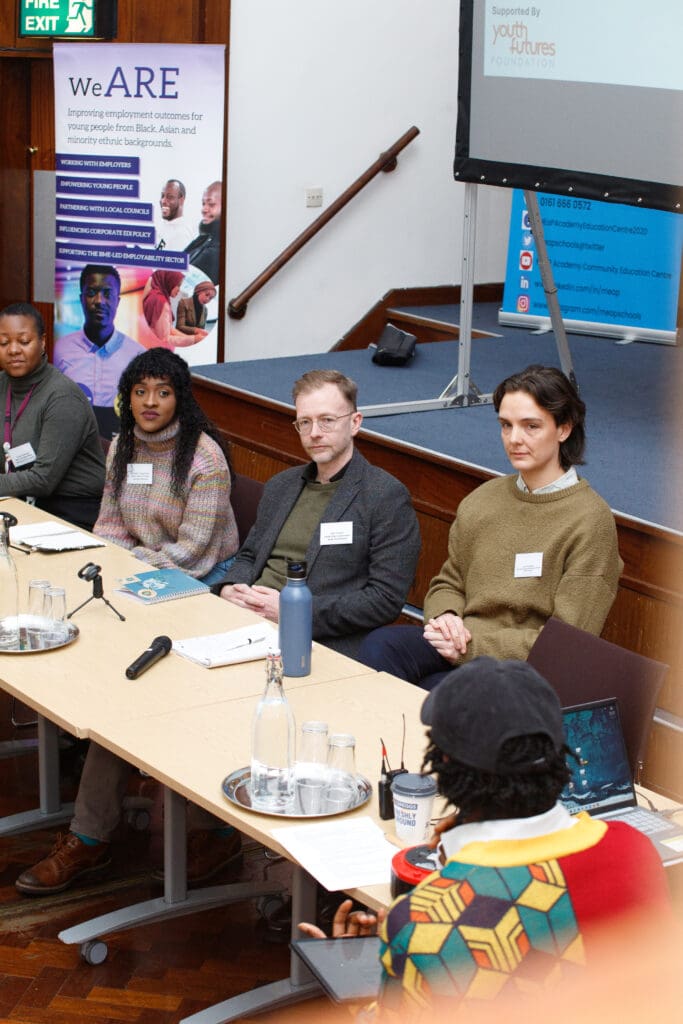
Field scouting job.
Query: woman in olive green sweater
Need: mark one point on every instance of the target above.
(523, 548)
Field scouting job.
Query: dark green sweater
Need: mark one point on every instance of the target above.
(60, 425)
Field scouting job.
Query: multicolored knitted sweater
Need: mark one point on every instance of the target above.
(191, 532)
(515, 915)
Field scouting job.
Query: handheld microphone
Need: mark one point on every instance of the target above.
(159, 648)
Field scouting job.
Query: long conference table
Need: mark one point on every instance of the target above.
(188, 727)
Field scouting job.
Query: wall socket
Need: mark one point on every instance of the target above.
(314, 197)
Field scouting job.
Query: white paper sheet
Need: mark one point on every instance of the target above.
(249, 643)
(340, 854)
(53, 537)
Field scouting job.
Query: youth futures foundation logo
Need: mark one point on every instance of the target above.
(515, 41)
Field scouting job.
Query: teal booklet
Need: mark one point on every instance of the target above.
(159, 585)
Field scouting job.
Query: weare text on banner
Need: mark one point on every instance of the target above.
(139, 230)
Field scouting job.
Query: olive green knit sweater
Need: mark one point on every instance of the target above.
(574, 530)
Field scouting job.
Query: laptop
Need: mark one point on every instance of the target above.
(601, 781)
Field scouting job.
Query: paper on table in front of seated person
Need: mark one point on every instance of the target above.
(249, 643)
(341, 854)
(53, 536)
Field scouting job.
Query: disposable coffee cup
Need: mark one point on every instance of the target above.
(413, 800)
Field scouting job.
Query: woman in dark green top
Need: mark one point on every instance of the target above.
(51, 446)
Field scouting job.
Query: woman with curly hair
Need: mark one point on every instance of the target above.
(167, 492)
(166, 499)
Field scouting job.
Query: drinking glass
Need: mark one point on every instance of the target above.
(36, 622)
(36, 595)
(310, 770)
(313, 748)
(54, 610)
(341, 753)
(341, 791)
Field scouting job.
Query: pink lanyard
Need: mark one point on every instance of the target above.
(9, 426)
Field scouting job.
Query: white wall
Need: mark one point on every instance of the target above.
(318, 89)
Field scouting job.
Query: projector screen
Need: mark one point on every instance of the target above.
(580, 98)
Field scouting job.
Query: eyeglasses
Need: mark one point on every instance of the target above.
(326, 423)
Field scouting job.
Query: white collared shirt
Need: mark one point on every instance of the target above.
(567, 479)
(556, 819)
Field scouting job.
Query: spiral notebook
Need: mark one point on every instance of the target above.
(159, 585)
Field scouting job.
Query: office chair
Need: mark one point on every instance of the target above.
(245, 495)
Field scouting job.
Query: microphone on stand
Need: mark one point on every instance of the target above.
(159, 648)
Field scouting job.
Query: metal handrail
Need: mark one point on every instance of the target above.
(386, 162)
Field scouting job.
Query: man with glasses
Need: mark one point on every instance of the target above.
(351, 522)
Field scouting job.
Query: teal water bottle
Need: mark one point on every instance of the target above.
(296, 621)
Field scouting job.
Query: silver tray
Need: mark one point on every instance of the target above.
(32, 639)
(237, 788)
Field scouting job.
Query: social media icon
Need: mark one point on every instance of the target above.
(526, 221)
(527, 240)
(524, 283)
(526, 260)
(522, 303)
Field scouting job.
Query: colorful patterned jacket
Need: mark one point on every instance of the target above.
(504, 917)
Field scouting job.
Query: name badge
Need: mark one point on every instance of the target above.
(336, 533)
(139, 472)
(529, 564)
(22, 455)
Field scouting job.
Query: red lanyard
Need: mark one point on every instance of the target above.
(9, 425)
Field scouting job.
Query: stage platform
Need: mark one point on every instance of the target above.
(632, 392)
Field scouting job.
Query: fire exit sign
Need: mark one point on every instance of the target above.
(68, 19)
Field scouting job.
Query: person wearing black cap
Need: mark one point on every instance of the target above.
(525, 887)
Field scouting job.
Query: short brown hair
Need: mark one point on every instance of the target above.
(555, 393)
(314, 379)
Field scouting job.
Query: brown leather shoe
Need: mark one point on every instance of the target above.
(208, 853)
(69, 860)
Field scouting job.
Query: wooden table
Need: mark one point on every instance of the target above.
(83, 688)
(193, 750)
(189, 727)
(83, 685)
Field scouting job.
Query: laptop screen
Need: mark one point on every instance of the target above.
(601, 780)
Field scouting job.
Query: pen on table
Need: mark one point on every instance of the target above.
(246, 643)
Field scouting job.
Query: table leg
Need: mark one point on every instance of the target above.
(298, 986)
(51, 810)
(176, 900)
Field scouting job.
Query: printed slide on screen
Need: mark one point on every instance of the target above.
(611, 42)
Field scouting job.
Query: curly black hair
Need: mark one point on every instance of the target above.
(529, 778)
(162, 363)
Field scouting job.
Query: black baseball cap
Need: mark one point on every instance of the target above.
(477, 707)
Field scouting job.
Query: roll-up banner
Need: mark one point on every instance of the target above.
(139, 231)
(616, 268)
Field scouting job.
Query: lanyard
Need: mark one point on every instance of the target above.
(9, 426)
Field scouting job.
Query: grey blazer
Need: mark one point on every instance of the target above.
(356, 587)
